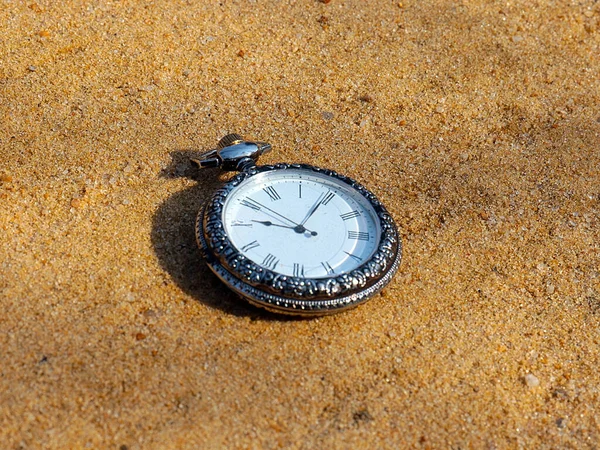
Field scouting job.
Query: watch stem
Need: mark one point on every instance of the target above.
(230, 139)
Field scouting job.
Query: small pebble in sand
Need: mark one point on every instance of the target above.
(327, 115)
(531, 380)
(362, 416)
(5, 178)
(32, 68)
(323, 20)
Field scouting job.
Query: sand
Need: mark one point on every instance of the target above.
(476, 122)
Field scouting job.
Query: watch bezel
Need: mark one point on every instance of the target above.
(282, 292)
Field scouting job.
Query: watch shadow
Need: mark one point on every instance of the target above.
(174, 241)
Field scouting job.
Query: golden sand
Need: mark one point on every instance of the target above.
(476, 122)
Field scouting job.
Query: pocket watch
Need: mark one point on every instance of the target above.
(294, 238)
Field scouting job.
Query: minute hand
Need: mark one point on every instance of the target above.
(314, 208)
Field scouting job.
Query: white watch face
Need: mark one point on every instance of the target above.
(301, 223)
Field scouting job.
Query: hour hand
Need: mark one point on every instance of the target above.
(268, 223)
(298, 228)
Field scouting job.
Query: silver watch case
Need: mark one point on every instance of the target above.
(292, 295)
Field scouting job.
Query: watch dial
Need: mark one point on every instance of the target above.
(301, 223)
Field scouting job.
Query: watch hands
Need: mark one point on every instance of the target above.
(296, 228)
(274, 212)
(314, 207)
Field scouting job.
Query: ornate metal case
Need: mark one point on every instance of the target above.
(288, 294)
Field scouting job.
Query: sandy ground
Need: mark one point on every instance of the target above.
(476, 122)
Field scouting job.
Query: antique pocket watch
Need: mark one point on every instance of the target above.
(293, 238)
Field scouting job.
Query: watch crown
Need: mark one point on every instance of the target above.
(230, 139)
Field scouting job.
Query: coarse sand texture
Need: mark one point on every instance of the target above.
(477, 123)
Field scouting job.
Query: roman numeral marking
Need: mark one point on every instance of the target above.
(250, 246)
(354, 257)
(350, 215)
(358, 235)
(327, 198)
(270, 261)
(300, 190)
(250, 204)
(328, 268)
(272, 193)
(298, 270)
